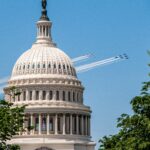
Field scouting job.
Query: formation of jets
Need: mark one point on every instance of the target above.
(81, 68)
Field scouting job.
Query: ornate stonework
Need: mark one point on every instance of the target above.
(49, 87)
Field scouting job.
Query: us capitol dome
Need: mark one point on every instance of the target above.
(47, 80)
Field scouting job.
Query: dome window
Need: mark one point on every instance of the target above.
(44, 95)
(69, 96)
(64, 67)
(54, 66)
(49, 65)
(33, 66)
(24, 67)
(51, 124)
(24, 95)
(44, 123)
(44, 66)
(30, 95)
(38, 65)
(64, 95)
(73, 96)
(28, 66)
(37, 95)
(57, 95)
(36, 123)
(59, 66)
(51, 95)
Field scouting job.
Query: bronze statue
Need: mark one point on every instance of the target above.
(44, 4)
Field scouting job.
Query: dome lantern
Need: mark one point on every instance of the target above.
(44, 28)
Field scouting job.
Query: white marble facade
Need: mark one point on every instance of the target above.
(49, 86)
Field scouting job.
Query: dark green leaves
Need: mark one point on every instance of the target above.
(11, 121)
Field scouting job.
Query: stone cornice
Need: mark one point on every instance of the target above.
(53, 106)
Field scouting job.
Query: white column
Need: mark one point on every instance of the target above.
(71, 124)
(40, 95)
(47, 95)
(42, 31)
(31, 123)
(34, 95)
(27, 95)
(75, 96)
(64, 124)
(82, 125)
(89, 123)
(77, 124)
(86, 133)
(47, 124)
(54, 94)
(67, 95)
(40, 123)
(56, 124)
(21, 96)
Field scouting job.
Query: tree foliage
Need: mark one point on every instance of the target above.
(11, 122)
(134, 130)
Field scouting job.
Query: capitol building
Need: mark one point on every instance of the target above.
(49, 87)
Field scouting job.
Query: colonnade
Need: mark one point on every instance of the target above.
(71, 124)
(29, 95)
(43, 31)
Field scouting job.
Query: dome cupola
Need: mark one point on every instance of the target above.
(44, 59)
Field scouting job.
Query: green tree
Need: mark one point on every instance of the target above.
(134, 130)
(11, 121)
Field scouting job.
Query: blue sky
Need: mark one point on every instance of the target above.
(104, 28)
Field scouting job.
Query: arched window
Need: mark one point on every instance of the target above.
(33, 66)
(44, 95)
(47, 31)
(37, 95)
(51, 123)
(59, 66)
(24, 95)
(54, 66)
(30, 95)
(69, 96)
(80, 125)
(19, 97)
(36, 123)
(67, 127)
(57, 95)
(44, 123)
(73, 96)
(64, 95)
(49, 65)
(74, 128)
(59, 125)
(20, 68)
(44, 66)
(44, 30)
(50, 95)
(38, 65)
